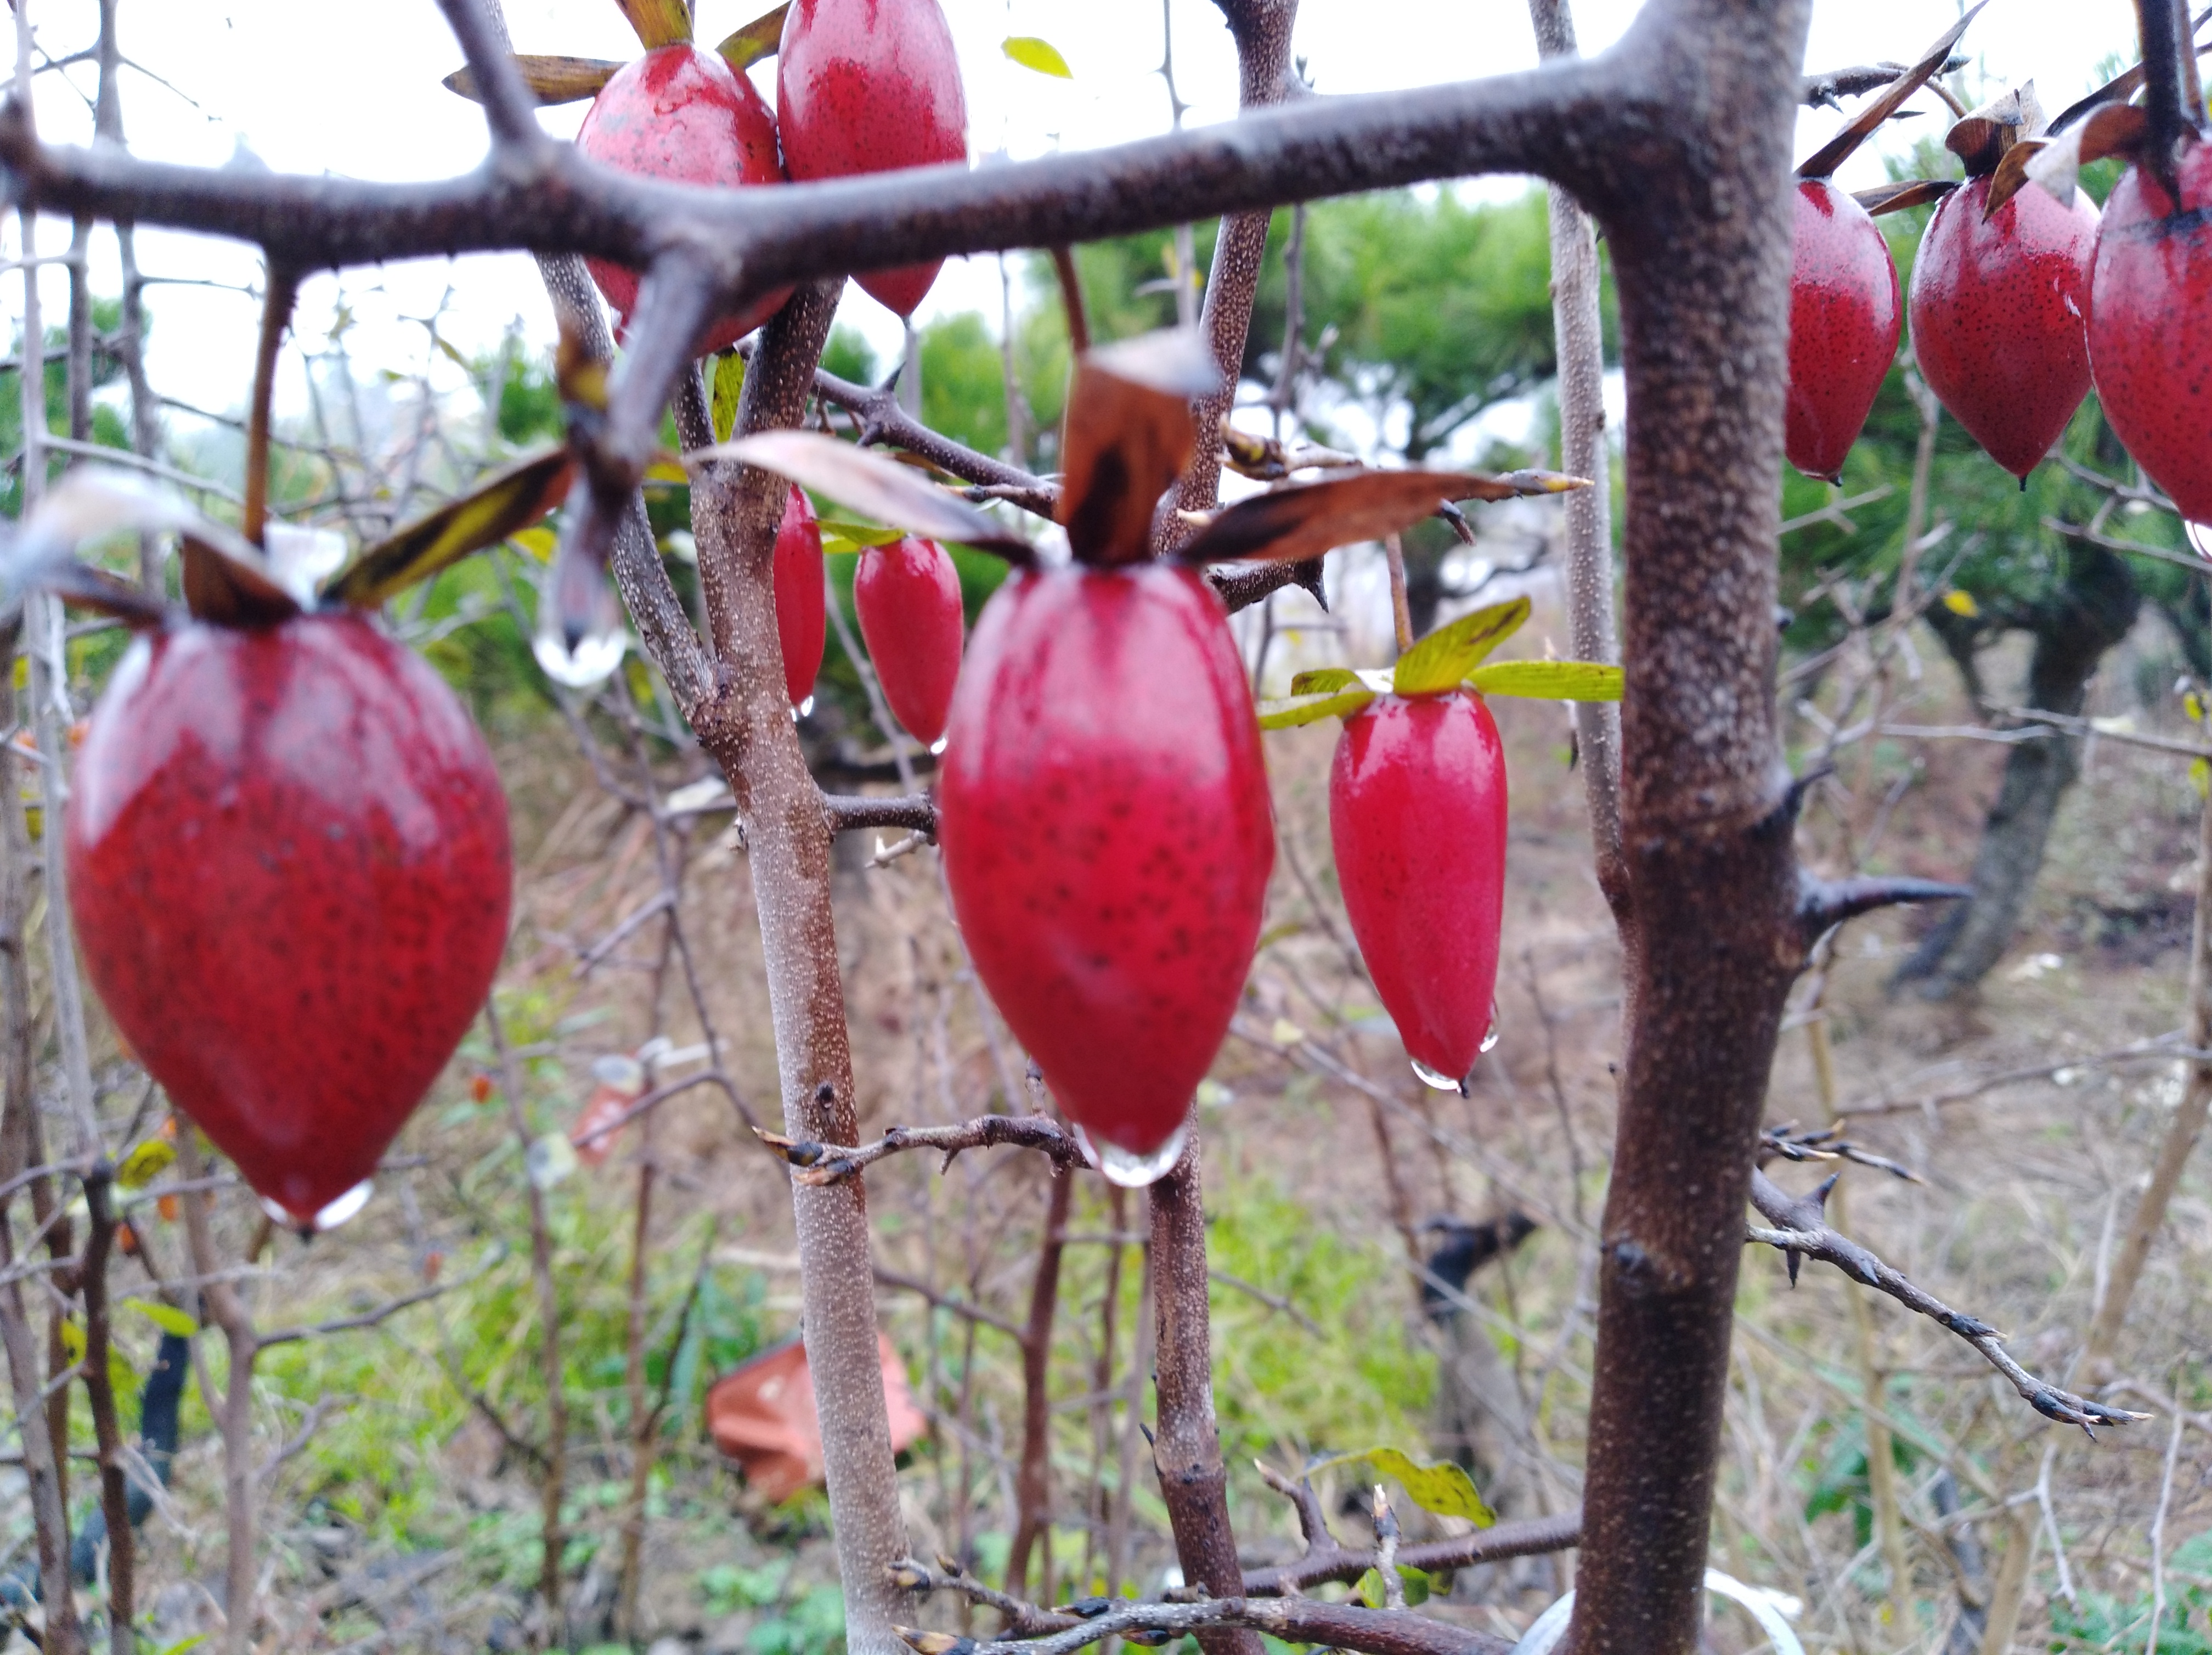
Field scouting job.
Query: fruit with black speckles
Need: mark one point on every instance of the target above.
(1999, 306)
(2150, 326)
(802, 610)
(908, 597)
(1845, 315)
(287, 856)
(870, 86)
(1417, 817)
(1103, 809)
(682, 114)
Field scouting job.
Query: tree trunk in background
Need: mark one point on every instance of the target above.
(2090, 614)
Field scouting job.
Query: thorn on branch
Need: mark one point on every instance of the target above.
(827, 1163)
(1824, 903)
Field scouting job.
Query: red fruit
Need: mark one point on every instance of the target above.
(685, 115)
(1417, 814)
(908, 596)
(802, 613)
(2151, 327)
(1998, 306)
(870, 86)
(1104, 814)
(1844, 317)
(287, 852)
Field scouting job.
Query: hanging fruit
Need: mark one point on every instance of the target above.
(1102, 803)
(802, 610)
(682, 114)
(908, 597)
(870, 86)
(2000, 297)
(287, 847)
(1417, 818)
(1846, 311)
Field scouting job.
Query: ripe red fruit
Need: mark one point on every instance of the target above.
(2150, 326)
(1998, 308)
(1417, 816)
(870, 86)
(1844, 318)
(685, 115)
(1103, 809)
(287, 852)
(908, 597)
(802, 611)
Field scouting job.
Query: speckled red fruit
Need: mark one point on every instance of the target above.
(288, 854)
(1844, 317)
(1417, 815)
(908, 597)
(870, 86)
(802, 611)
(2151, 327)
(1999, 308)
(1104, 814)
(682, 114)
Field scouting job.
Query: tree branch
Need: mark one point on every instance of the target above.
(1803, 1233)
(849, 812)
(821, 1163)
(883, 423)
(1294, 1620)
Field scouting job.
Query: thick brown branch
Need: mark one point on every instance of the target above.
(883, 421)
(1803, 1231)
(1294, 1620)
(916, 811)
(821, 1163)
(1524, 1537)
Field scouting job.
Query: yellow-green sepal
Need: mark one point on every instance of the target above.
(1442, 660)
(1324, 692)
(1548, 681)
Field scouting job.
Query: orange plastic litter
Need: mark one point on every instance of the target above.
(762, 1415)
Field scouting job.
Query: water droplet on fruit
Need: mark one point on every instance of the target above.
(1128, 1169)
(1437, 1079)
(802, 709)
(2200, 536)
(937, 747)
(330, 1217)
(1490, 1034)
(589, 661)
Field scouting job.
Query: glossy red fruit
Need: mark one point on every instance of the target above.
(870, 86)
(1845, 319)
(682, 114)
(288, 854)
(908, 597)
(802, 613)
(1104, 813)
(2151, 327)
(1417, 815)
(1999, 309)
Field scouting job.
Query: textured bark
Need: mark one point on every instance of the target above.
(1702, 252)
(1185, 1442)
(2090, 612)
(1033, 1485)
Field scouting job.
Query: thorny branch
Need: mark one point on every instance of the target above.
(1802, 1232)
(820, 1163)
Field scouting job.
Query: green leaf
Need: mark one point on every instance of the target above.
(1548, 681)
(1442, 1488)
(1043, 56)
(1318, 680)
(1290, 711)
(729, 385)
(759, 39)
(168, 1317)
(1439, 661)
(842, 538)
(1416, 1583)
(658, 22)
(508, 501)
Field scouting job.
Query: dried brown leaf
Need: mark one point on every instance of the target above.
(1128, 436)
(1305, 520)
(871, 483)
(1837, 150)
(1981, 138)
(2113, 129)
(553, 80)
(1896, 197)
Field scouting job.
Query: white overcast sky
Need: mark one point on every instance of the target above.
(353, 90)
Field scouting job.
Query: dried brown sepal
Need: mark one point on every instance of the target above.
(876, 486)
(2116, 129)
(1839, 148)
(762, 38)
(76, 583)
(579, 373)
(657, 22)
(551, 80)
(932, 1643)
(1290, 525)
(505, 503)
(231, 584)
(1981, 138)
(1909, 192)
(1128, 436)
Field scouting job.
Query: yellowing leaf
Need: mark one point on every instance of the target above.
(1416, 1582)
(1962, 603)
(1439, 661)
(855, 536)
(658, 22)
(504, 504)
(729, 385)
(1043, 56)
(550, 80)
(757, 40)
(667, 471)
(2193, 704)
(1286, 1033)
(1548, 681)
(73, 1341)
(537, 542)
(2200, 775)
(145, 1163)
(1442, 1488)
(168, 1317)
(1290, 711)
